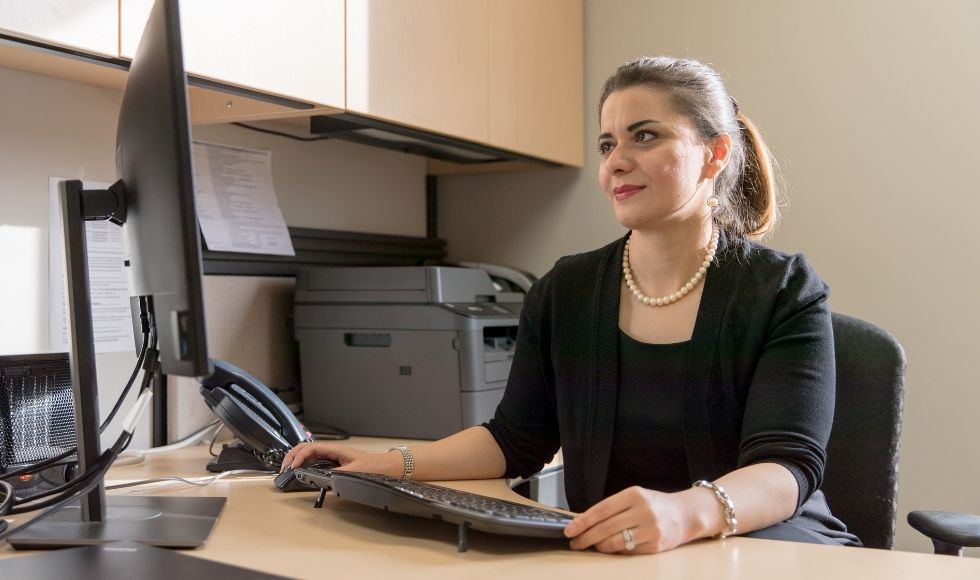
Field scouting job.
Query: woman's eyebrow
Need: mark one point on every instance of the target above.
(639, 124)
(631, 128)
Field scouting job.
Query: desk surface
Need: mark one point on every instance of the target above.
(281, 533)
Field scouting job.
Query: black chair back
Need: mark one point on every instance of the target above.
(861, 476)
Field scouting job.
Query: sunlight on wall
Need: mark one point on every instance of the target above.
(22, 270)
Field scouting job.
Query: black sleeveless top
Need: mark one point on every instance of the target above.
(648, 442)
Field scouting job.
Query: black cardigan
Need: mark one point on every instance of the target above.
(764, 380)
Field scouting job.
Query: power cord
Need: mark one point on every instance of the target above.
(198, 481)
(91, 478)
(8, 497)
(137, 457)
(149, 341)
(213, 440)
(28, 503)
(281, 133)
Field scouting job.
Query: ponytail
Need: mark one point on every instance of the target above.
(753, 198)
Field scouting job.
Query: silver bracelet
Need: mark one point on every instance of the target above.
(726, 502)
(409, 468)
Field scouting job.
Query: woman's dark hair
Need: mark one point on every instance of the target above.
(746, 188)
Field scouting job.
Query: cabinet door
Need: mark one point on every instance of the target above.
(421, 63)
(536, 78)
(293, 49)
(86, 25)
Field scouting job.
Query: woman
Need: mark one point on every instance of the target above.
(684, 352)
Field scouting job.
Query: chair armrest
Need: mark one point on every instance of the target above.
(546, 486)
(949, 531)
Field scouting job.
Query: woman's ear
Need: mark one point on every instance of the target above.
(720, 149)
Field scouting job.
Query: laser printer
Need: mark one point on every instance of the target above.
(414, 352)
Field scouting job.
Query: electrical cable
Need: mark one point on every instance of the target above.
(198, 481)
(101, 465)
(138, 456)
(281, 133)
(35, 467)
(213, 440)
(92, 477)
(8, 497)
(192, 439)
(129, 385)
(67, 491)
(51, 461)
(149, 341)
(149, 335)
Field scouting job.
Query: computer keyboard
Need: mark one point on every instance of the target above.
(466, 509)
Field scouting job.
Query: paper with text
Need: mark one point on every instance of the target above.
(236, 201)
(111, 317)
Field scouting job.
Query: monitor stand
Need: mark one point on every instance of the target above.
(175, 522)
(168, 522)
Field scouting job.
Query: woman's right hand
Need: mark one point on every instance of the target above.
(350, 459)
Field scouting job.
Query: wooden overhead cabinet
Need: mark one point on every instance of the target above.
(293, 50)
(535, 78)
(88, 26)
(506, 73)
(421, 63)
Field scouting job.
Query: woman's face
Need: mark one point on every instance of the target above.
(654, 165)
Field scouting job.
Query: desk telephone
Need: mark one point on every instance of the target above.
(260, 420)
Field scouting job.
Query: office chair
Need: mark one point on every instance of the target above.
(861, 474)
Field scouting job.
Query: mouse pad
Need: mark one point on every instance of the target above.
(120, 560)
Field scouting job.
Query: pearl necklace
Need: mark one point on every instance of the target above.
(685, 289)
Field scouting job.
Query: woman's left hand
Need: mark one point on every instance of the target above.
(657, 521)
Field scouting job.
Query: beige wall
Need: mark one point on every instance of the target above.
(871, 109)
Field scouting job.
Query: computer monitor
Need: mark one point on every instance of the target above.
(154, 202)
(153, 160)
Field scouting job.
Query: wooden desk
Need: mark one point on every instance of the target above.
(281, 533)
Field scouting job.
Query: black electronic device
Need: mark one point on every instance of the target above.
(261, 421)
(37, 421)
(465, 509)
(154, 202)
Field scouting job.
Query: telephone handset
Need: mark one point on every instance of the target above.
(260, 420)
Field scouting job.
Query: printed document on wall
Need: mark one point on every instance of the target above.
(236, 201)
(108, 286)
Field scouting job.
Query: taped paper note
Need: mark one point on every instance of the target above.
(236, 201)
